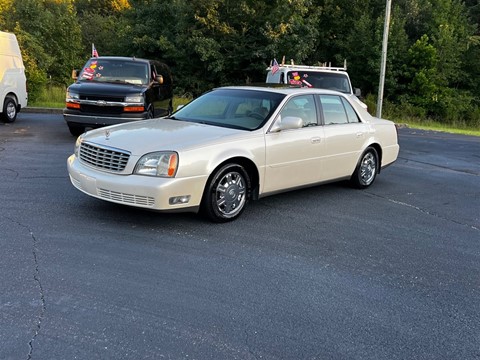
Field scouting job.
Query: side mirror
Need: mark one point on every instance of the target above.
(159, 79)
(358, 92)
(75, 73)
(287, 123)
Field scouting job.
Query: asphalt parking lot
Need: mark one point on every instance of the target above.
(391, 272)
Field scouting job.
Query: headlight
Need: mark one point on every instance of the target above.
(72, 95)
(77, 146)
(162, 164)
(135, 98)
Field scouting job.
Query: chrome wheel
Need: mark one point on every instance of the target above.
(226, 194)
(368, 168)
(230, 194)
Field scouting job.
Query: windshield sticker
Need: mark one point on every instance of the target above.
(297, 80)
(89, 73)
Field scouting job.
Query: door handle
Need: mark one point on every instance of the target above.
(315, 140)
(359, 134)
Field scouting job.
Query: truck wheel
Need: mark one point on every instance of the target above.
(9, 113)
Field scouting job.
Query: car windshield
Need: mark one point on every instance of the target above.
(321, 80)
(117, 71)
(233, 108)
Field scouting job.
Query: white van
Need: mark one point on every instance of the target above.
(13, 83)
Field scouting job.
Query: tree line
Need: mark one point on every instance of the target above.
(433, 62)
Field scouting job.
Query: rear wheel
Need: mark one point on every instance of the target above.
(76, 130)
(9, 110)
(366, 170)
(226, 194)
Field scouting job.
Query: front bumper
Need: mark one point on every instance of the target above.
(146, 192)
(95, 120)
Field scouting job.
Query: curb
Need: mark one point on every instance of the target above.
(42, 110)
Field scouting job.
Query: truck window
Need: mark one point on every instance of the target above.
(321, 80)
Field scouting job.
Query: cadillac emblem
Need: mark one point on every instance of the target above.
(107, 134)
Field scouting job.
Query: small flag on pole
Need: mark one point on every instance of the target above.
(275, 66)
(94, 51)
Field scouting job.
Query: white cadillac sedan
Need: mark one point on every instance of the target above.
(232, 145)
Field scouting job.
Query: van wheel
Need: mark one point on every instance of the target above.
(150, 114)
(9, 110)
(76, 130)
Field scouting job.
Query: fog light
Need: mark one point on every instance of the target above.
(179, 200)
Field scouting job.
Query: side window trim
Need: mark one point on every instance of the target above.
(310, 98)
(346, 104)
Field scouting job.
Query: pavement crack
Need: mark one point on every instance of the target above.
(247, 343)
(15, 173)
(37, 279)
(426, 212)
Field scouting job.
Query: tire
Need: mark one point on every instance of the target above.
(366, 170)
(226, 194)
(76, 130)
(9, 113)
(151, 113)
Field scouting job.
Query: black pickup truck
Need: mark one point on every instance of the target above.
(111, 90)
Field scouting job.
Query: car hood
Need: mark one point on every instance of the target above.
(141, 137)
(112, 89)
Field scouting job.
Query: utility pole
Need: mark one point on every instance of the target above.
(381, 84)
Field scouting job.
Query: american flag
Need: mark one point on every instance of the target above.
(275, 66)
(94, 51)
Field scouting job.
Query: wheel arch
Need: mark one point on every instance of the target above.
(378, 149)
(12, 95)
(249, 167)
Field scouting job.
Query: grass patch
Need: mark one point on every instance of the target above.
(436, 126)
(179, 101)
(54, 97)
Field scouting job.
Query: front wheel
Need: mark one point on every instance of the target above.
(366, 170)
(150, 113)
(76, 130)
(9, 110)
(226, 194)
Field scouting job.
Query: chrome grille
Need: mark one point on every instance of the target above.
(130, 199)
(103, 157)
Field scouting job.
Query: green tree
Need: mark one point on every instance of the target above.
(102, 7)
(5, 9)
(48, 29)
(104, 24)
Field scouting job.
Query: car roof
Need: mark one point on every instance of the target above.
(282, 89)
